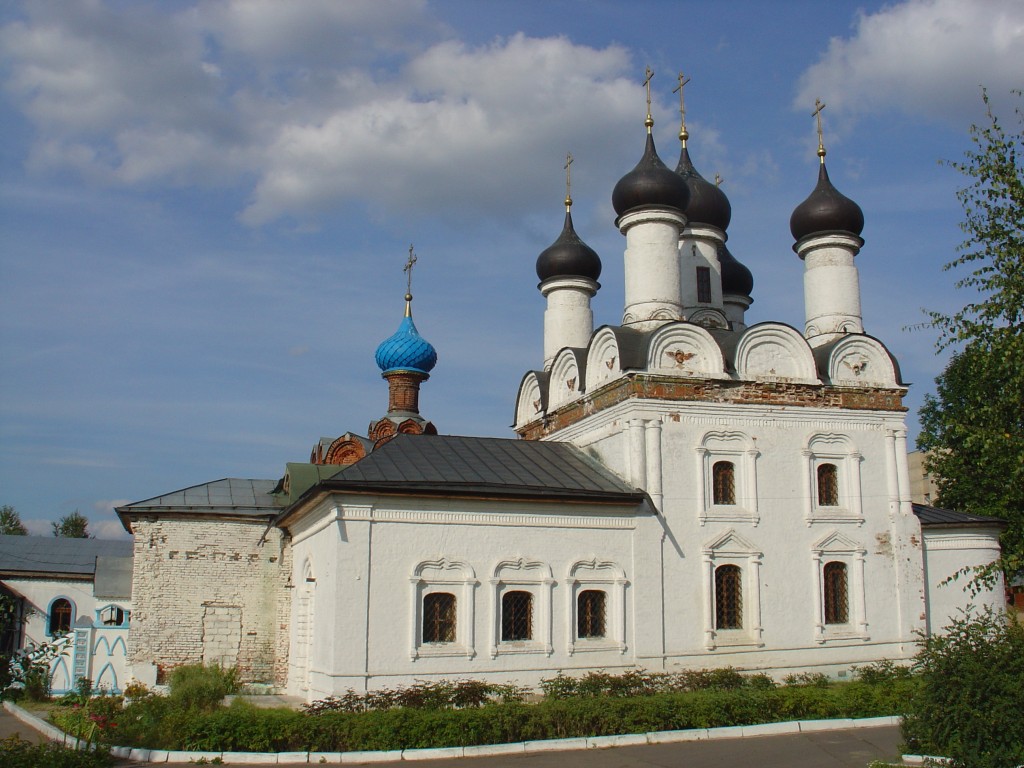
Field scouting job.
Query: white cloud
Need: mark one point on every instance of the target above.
(921, 57)
(307, 106)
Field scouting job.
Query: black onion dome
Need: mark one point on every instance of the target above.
(826, 210)
(708, 204)
(568, 256)
(737, 280)
(650, 185)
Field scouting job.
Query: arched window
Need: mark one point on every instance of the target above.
(837, 602)
(439, 618)
(728, 597)
(828, 485)
(112, 616)
(590, 613)
(724, 482)
(517, 616)
(61, 612)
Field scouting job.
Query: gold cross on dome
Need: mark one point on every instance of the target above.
(408, 272)
(683, 135)
(649, 73)
(718, 180)
(818, 106)
(568, 180)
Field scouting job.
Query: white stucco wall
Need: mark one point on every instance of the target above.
(364, 555)
(775, 532)
(947, 552)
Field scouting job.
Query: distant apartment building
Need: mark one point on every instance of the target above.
(923, 488)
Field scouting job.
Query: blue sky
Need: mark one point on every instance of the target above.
(205, 207)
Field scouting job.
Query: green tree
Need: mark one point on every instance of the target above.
(73, 526)
(973, 428)
(10, 522)
(971, 694)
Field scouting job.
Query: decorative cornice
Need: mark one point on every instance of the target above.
(673, 389)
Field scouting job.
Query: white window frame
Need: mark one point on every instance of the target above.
(522, 575)
(607, 577)
(838, 450)
(454, 577)
(836, 548)
(732, 549)
(738, 448)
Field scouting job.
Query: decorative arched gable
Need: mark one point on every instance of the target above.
(684, 349)
(729, 544)
(346, 450)
(566, 382)
(775, 351)
(860, 361)
(532, 399)
(604, 358)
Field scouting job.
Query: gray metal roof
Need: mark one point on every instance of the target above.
(113, 577)
(933, 517)
(473, 466)
(32, 555)
(230, 495)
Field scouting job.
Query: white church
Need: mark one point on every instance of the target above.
(683, 491)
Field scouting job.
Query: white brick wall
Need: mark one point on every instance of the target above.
(206, 590)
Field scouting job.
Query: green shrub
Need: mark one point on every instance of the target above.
(201, 686)
(971, 696)
(18, 753)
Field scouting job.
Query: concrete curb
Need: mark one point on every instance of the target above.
(517, 748)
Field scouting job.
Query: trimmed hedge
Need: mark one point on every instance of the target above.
(242, 727)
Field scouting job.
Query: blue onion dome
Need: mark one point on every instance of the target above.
(708, 204)
(568, 256)
(737, 280)
(651, 184)
(826, 210)
(406, 350)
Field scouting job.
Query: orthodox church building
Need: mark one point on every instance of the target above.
(684, 491)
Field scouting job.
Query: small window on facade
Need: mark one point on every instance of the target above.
(590, 613)
(837, 603)
(724, 482)
(704, 285)
(728, 597)
(828, 485)
(60, 617)
(439, 618)
(112, 616)
(517, 616)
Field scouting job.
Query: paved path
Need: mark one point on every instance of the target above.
(10, 725)
(852, 748)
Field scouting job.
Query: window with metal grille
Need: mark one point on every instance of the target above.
(723, 475)
(828, 485)
(837, 603)
(517, 616)
(728, 597)
(439, 618)
(590, 613)
(60, 616)
(704, 285)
